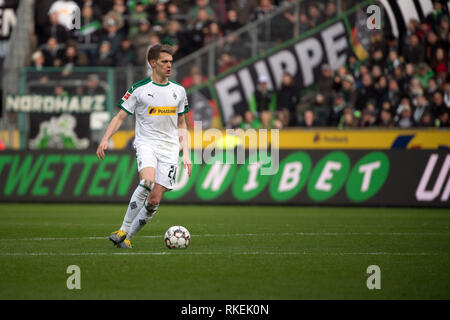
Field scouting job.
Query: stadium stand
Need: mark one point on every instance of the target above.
(404, 82)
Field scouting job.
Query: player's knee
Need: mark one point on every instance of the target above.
(147, 183)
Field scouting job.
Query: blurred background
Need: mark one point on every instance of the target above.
(330, 74)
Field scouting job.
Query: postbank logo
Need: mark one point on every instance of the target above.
(162, 111)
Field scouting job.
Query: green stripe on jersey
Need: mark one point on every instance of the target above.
(134, 87)
(186, 110)
(139, 84)
(174, 82)
(120, 105)
(160, 85)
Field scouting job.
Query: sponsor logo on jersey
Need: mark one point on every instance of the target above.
(162, 111)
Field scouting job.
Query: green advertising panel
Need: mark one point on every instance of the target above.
(328, 176)
(354, 177)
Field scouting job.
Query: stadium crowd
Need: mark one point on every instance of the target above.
(404, 83)
(118, 32)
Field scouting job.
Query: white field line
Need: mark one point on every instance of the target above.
(246, 235)
(31, 254)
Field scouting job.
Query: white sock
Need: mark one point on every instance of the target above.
(146, 213)
(136, 203)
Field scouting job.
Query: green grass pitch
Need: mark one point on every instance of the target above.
(237, 252)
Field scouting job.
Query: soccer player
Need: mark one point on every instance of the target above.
(159, 105)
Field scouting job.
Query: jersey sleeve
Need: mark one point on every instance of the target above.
(128, 102)
(183, 106)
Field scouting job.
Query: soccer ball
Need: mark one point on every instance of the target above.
(177, 237)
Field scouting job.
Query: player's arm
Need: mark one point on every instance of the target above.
(113, 126)
(183, 136)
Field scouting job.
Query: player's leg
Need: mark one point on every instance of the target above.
(164, 181)
(146, 161)
(148, 211)
(147, 177)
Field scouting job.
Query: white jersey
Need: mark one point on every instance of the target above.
(157, 108)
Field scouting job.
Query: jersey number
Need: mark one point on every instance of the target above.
(172, 173)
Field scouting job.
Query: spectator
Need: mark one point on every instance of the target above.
(138, 13)
(338, 107)
(314, 15)
(369, 115)
(348, 119)
(250, 121)
(434, 17)
(426, 120)
(264, 8)
(93, 85)
(263, 102)
(404, 117)
(244, 9)
(232, 23)
(202, 5)
(415, 90)
(431, 45)
(444, 30)
(89, 34)
(196, 29)
(386, 120)
(74, 58)
(226, 61)
(424, 73)
(287, 101)
(126, 54)
(393, 93)
(161, 21)
(382, 91)
(112, 24)
(446, 94)
(377, 59)
(212, 33)
(325, 81)
(59, 91)
(421, 106)
(330, 10)
(174, 13)
(54, 30)
(348, 90)
(308, 119)
(172, 34)
(443, 120)
(437, 105)
(432, 88)
(38, 60)
(236, 46)
(353, 66)
(105, 57)
(52, 52)
(366, 93)
(413, 51)
(282, 28)
(439, 61)
(140, 41)
(188, 81)
(322, 110)
(120, 8)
